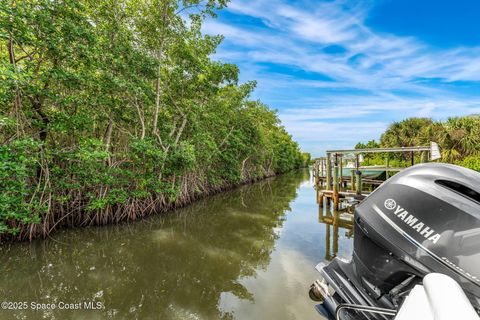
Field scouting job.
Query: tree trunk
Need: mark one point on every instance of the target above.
(141, 118)
(43, 133)
(108, 139)
(37, 106)
(180, 131)
(243, 166)
(16, 98)
(159, 69)
(157, 98)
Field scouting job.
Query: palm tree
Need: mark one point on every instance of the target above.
(406, 133)
(458, 137)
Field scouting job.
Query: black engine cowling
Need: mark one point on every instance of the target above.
(424, 219)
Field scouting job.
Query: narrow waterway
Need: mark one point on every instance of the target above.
(248, 253)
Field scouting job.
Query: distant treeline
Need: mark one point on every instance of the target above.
(458, 138)
(113, 109)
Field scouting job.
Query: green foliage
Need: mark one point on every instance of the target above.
(19, 202)
(472, 162)
(458, 139)
(371, 158)
(105, 104)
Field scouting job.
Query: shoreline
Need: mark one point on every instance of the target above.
(122, 213)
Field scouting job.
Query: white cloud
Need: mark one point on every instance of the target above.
(397, 76)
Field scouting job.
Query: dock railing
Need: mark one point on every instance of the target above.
(331, 183)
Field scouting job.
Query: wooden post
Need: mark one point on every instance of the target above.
(352, 179)
(320, 199)
(329, 172)
(340, 179)
(412, 156)
(335, 184)
(358, 182)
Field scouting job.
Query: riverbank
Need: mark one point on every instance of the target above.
(227, 256)
(131, 210)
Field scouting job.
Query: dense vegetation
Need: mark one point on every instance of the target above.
(458, 138)
(113, 109)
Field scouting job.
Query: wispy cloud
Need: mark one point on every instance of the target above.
(321, 65)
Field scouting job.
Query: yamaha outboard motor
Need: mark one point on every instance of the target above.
(424, 219)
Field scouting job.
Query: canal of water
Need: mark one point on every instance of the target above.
(248, 253)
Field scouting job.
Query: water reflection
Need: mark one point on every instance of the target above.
(177, 267)
(334, 221)
(245, 254)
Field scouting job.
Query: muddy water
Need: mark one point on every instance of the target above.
(244, 254)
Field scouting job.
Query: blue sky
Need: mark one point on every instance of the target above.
(339, 72)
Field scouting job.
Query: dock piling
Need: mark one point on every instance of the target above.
(358, 181)
(352, 180)
(332, 186)
(335, 184)
(329, 172)
(340, 178)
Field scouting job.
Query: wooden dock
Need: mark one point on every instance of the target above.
(332, 186)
